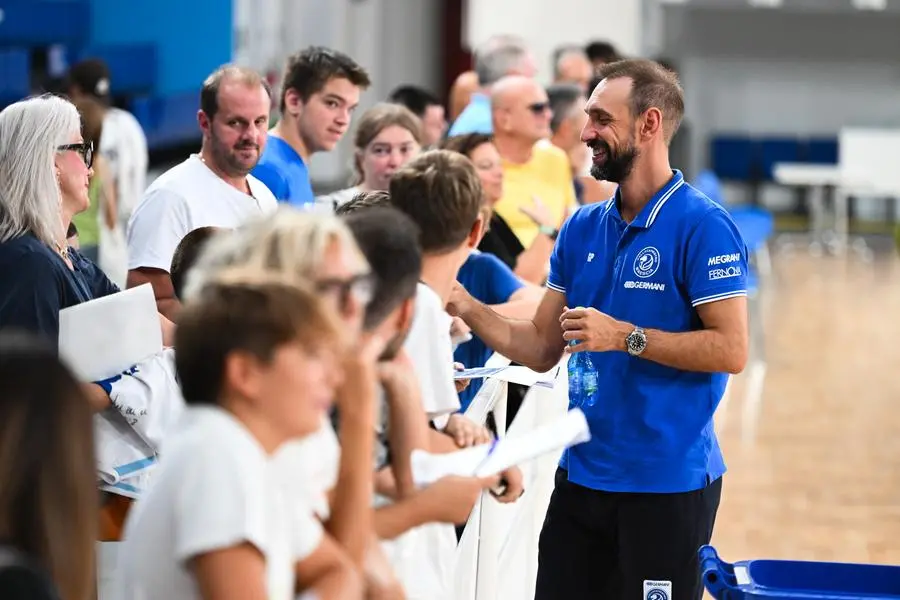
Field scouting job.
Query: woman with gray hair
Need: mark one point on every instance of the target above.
(45, 170)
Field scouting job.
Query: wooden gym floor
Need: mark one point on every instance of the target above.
(812, 440)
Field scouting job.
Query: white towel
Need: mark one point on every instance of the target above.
(146, 405)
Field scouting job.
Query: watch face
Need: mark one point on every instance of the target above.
(636, 342)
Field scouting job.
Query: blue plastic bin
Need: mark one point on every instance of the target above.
(797, 580)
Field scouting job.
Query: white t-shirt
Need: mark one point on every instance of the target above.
(124, 146)
(431, 350)
(424, 558)
(185, 197)
(309, 467)
(215, 488)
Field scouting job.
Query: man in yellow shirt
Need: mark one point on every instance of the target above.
(538, 192)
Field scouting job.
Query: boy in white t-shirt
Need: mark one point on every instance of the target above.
(442, 194)
(212, 188)
(257, 364)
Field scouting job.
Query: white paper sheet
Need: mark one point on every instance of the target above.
(477, 372)
(489, 459)
(103, 337)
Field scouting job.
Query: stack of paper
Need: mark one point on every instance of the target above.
(520, 375)
(103, 338)
(490, 459)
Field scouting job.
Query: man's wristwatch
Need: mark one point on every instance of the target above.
(636, 342)
(550, 232)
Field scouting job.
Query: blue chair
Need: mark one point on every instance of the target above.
(708, 183)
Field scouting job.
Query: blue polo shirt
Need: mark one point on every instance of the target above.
(476, 117)
(489, 281)
(652, 425)
(284, 173)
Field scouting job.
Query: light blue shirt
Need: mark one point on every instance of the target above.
(475, 118)
(284, 173)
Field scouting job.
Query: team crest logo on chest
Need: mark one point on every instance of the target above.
(646, 262)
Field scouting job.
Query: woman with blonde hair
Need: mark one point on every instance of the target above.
(387, 137)
(48, 495)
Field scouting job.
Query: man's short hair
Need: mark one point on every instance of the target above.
(441, 192)
(390, 242)
(363, 201)
(562, 98)
(255, 315)
(563, 52)
(414, 98)
(91, 76)
(653, 86)
(309, 70)
(209, 93)
(601, 52)
(498, 57)
(186, 254)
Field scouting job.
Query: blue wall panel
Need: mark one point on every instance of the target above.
(193, 37)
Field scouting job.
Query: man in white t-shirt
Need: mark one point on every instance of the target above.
(212, 188)
(253, 368)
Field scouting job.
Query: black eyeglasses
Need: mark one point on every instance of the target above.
(85, 149)
(539, 107)
(360, 287)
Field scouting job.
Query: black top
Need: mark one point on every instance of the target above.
(36, 283)
(20, 580)
(502, 242)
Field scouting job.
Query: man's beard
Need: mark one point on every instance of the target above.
(227, 160)
(618, 164)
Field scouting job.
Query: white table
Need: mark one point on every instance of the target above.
(817, 178)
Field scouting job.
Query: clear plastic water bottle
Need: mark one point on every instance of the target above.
(583, 381)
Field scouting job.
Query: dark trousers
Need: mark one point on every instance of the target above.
(606, 545)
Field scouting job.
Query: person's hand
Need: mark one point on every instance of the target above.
(539, 213)
(450, 499)
(515, 486)
(459, 331)
(460, 301)
(398, 376)
(466, 432)
(460, 384)
(359, 362)
(97, 396)
(593, 330)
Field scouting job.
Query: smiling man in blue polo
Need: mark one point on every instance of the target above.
(652, 283)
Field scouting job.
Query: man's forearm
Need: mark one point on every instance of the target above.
(396, 519)
(408, 430)
(517, 340)
(705, 351)
(351, 512)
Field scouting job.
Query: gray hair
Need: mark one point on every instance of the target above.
(289, 243)
(562, 98)
(565, 52)
(30, 198)
(499, 57)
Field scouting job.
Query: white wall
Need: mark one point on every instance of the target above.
(547, 24)
(395, 40)
(774, 71)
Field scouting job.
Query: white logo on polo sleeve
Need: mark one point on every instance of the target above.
(657, 590)
(646, 262)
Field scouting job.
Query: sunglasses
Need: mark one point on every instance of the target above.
(85, 149)
(359, 287)
(539, 108)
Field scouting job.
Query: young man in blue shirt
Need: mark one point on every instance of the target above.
(320, 91)
(653, 285)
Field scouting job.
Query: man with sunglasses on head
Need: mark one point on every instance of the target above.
(212, 188)
(537, 180)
